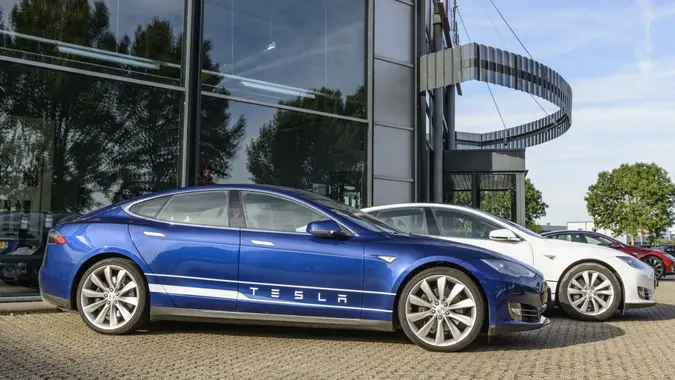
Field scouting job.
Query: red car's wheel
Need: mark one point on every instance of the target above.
(657, 264)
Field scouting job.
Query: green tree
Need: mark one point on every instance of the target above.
(499, 203)
(633, 198)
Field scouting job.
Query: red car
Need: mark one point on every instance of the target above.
(662, 262)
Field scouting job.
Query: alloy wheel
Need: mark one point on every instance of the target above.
(657, 264)
(590, 292)
(109, 297)
(440, 310)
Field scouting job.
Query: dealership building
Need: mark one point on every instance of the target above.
(103, 100)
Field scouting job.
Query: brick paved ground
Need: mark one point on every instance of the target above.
(58, 346)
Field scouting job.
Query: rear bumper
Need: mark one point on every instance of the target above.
(59, 302)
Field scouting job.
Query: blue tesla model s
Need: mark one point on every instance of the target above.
(271, 255)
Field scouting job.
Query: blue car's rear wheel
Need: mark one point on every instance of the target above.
(441, 309)
(112, 297)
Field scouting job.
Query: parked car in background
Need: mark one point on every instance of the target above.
(668, 248)
(23, 237)
(589, 282)
(662, 262)
(239, 254)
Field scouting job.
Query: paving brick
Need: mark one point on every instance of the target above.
(59, 346)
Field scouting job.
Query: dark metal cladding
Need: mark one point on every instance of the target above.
(488, 64)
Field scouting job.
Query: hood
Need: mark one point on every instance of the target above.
(581, 249)
(432, 246)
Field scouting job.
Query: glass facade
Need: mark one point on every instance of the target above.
(93, 100)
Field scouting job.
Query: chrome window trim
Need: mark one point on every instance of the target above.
(127, 209)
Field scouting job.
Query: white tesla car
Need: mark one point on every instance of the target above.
(589, 282)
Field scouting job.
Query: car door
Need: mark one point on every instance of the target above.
(475, 230)
(187, 242)
(285, 270)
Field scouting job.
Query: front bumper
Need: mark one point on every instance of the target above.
(639, 288)
(519, 307)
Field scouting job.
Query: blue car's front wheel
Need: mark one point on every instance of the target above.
(441, 309)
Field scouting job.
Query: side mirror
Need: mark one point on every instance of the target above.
(503, 235)
(325, 228)
(615, 245)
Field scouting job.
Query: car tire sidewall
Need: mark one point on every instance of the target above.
(471, 286)
(141, 316)
(572, 311)
(663, 265)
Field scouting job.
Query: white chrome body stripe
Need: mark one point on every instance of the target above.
(157, 234)
(269, 284)
(233, 295)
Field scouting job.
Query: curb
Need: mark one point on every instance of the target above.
(22, 308)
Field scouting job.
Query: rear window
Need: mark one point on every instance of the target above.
(149, 208)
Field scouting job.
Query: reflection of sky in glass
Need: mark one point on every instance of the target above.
(315, 43)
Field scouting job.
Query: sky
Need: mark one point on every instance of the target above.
(620, 62)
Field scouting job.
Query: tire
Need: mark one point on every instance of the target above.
(655, 263)
(421, 317)
(92, 291)
(601, 301)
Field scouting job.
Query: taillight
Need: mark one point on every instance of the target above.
(55, 237)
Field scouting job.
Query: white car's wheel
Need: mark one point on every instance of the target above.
(590, 292)
(112, 297)
(441, 309)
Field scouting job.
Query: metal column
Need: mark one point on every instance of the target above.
(438, 114)
(450, 117)
(520, 199)
(191, 80)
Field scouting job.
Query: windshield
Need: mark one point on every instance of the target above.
(512, 224)
(353, 215)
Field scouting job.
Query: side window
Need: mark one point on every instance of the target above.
(150, 208)
(571, 237)
(273, 213)
(461, 225)
(205, 208)
(567, 237)
(410, 220)
(597, 240)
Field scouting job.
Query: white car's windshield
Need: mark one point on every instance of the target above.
(512, 224)
(354, 215)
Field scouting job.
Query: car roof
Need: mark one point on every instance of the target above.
(416, 205)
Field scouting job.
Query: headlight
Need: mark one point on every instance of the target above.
(668, 255)
(635, 263)
(509, 268)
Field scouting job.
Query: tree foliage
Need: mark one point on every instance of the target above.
(633, 198)
(499, 203)
(301, 150)
(81, 137)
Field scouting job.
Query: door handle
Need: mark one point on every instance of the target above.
(157, 234)
(262, 242)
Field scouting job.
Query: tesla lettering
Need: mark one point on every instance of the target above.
(299, 295)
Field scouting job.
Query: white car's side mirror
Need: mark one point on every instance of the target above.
(503, 235)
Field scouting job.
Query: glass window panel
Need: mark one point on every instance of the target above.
(461, 225)
(406, 220)
(208, 208)
(246, 143)
(305, 53)
(272, 213)
(69, 144)
(141, 40)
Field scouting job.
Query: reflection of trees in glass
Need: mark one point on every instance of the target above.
(93, 134)
(499, 203)
(301, 150)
